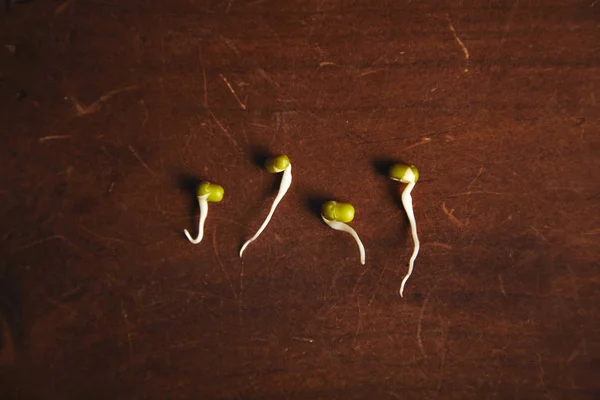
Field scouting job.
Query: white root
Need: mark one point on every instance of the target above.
(286, 182)
(203, 203)
(408, 207)
(340, 226)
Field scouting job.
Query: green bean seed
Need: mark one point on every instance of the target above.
(404, 173)
(277, 164)
(214, 192)
(335, 211)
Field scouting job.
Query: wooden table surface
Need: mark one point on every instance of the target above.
(113, 110)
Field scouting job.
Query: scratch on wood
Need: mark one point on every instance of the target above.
(538, 233)
(450, 214)
(241, 104)
(574, 279)
(241, 297)
(263, 74)
(226, 132)
(95, 106)
(360, 278)
(203, 78)
(580, 349)
(377, 285)
(105, 238)
(231, 45)
(438, 244)
(369, 71)
(501, 281)
(40, 241)
(462, 46)
(422, 141)
(541, 371)
(481, 169)
(136, 155)
(420, 323)
(129, 335)
(326, 63)
(303, 339)
(143, 103)
(442, 365)
(53, 137)
(359, 323)
(214, 242)
(470, 193)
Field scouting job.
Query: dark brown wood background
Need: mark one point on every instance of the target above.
(112, 110)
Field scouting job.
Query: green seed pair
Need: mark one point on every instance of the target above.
(208, 192)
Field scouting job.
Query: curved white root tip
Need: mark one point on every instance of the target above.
(203, 203)
(340, 226)
(403, 283)
(408, 207)
(286, 182)
(196, 240)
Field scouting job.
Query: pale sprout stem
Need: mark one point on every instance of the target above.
(203, 203)
(286, 182)
(340, 226)
(408, 207)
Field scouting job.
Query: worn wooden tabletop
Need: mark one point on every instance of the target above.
(112, 111)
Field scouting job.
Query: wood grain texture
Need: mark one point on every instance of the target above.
(103, 297)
